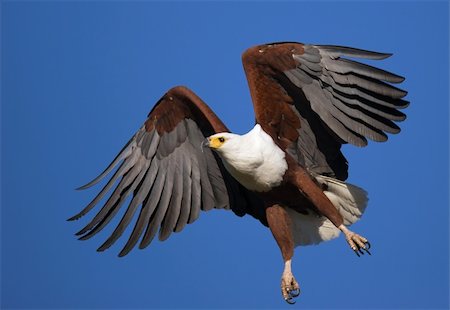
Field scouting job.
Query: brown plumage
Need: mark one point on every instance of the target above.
(310, 100)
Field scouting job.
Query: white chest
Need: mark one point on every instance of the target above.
(260, 165)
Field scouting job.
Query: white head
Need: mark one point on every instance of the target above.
(233, 147)
(253, 159)
(238, 150)
(223, 142)
(238, 153)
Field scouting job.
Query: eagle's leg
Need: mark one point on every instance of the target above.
(315, 194)
(280, 226)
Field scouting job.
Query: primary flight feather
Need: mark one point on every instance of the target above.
(288, 171)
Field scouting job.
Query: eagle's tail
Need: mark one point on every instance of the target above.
(350, 200)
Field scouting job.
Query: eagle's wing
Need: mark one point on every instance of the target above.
(311, 99)
(168, 174)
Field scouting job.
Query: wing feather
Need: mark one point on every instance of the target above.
(372, 85)
(186, 196)
(337, 51)
(138, 199)
(147, 209)
(207, 195)
(115, 200)
(173, 210)
(113, 206)
(124, 153)
(344, 66)
(120, 172)
(163, 204)
(337, 121)
(167, 175)
(196, 192)
(324, 99)
(355, 94)
(366, 117)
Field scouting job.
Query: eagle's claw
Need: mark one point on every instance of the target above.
(358, 243)
(290, 300)
(294, 293)
(291, 295)
(289, 288)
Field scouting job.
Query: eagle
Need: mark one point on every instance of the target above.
(288, 171)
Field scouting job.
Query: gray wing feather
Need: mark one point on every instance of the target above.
(355, 92)
(321, 105)
(124, 153)
(114, 202)
(157, 217)
(384, 112)
(120, 172)
(344, 66)
(298, 77)
(207, 194)
(135, 202)
(372, 85)
(310, 54)
(186, 197)
(313, 66)
(168, 176)
(366, 118)
(351, 98)
(147, 209)
(173, 210)
(337, 51)
(338, 111)
(196, 192)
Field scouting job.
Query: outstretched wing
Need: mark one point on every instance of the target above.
(311, 100)
(168, 175)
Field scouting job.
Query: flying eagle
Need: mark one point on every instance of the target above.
(288, 171)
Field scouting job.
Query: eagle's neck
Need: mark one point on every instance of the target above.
(255, 161)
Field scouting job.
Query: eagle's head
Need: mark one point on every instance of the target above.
(222, 142)
(253, 159)
(231, 146)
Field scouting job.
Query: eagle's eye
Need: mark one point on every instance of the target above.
(221, 139)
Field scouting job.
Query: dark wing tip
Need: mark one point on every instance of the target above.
(401, 79)
(85, 186)
(404, 105)
(124, 252)
(98, 178)
(73, 218)
(84, 237)
(381, 56)
(102, 248)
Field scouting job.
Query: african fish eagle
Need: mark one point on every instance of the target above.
(288, 171)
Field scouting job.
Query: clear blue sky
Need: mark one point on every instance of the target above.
(77, 80)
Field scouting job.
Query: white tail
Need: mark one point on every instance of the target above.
(350, 200)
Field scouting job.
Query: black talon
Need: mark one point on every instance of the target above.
(360, 250)
(294, 293)
(367, 246)
(367, 251)
(356, 252)
(290, 300)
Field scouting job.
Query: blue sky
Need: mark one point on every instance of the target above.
(78, 79)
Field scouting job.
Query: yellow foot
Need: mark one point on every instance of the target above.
(357, 243)
(289, 286)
